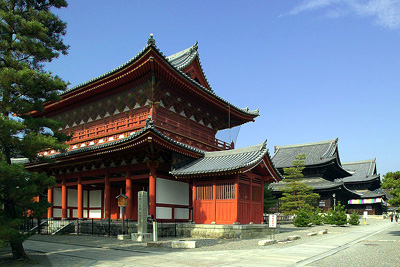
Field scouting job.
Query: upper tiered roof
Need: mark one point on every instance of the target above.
(364, 170)
(176, 62)
(316, 153)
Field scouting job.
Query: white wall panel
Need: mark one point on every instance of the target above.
(172, 192)
(181, 213)
(163, 213)
(85, 213)
(96, 214)
(57, 213)
(85, 198)
(72, 198)
(95, 199)
(75, 213)
(57, 197)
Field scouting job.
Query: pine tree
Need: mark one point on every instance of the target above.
(295, 193)
(30, 35)
(269, 199)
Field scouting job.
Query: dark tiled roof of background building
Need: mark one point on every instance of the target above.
(364, 170)
(317, 183)
(316, 153)
(223, 161)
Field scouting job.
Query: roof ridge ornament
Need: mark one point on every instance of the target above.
(151, 41)
(149, 122)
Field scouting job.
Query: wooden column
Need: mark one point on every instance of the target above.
(237, 197)
(64, 199)
(251, 198)
(128, 193)
(262, 199)
(50, 200)
(152, 190)
(214, 218)
(107, 196)
(80, 197)
(194, 197)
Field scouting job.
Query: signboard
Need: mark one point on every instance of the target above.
(122, 200)
(272, 221)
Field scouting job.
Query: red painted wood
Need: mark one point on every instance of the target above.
(107, 197)
(152, 190)
(50, 200)
(64, 199)
(128, 193)
(80, 198)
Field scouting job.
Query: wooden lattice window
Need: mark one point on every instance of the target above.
(204, 192)
(244, 191)
(256, 193)
(226, 191)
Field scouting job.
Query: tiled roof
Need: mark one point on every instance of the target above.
(177, 62)
(317, 183)
(224, 161)
(364, 170)
(368, 193)
(19, 160)
(149, 127)
(316, 153)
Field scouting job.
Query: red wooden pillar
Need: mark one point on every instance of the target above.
(237, 197)
(251, 199)
(107, 197)
(64, 199)
(214, 219)
(194, 197)
(152, 190)
(50, 200)
(128, 192)
(80, 197)
(262, 200)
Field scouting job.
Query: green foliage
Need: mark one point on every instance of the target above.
(391, 180)
(303, 217)
(296, 194)
(316, 217)
(31, 35)
(269, 199)
(336, 216)
(354, 219)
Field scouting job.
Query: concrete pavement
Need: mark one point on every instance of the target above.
(303, 252)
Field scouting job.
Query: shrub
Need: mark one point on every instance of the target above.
(303, 217)
(336, 216)
(354, 219)
(317, 217)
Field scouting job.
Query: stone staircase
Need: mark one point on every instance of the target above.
(53, 227)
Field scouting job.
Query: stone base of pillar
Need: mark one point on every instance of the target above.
(142, 237)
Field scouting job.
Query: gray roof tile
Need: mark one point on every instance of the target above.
(316, 153)
(222, 161)
(317, 183)
(364, 170)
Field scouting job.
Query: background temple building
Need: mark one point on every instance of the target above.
(150, 125)
(352, 184)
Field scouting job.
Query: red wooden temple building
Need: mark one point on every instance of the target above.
(150, 125)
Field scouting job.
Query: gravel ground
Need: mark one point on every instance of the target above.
(203, 244)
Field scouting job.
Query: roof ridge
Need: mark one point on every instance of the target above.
(261, 146)
(359, 161)
(307, 144)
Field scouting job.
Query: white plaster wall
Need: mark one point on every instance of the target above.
(96, 214)
(57, 213)
(85, 198)
(57, 197)
(85, 214)
(163, 213)
(72, 198)
(181, 213)
(172, 192)
(75, 213)
(95, 199)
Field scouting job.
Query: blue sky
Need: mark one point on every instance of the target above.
(317, 69)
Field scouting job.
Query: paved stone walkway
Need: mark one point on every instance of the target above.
(108, 251)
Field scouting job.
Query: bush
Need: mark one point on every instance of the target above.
(336, 216)
(316, 217)
(354, 219)
(303, 217)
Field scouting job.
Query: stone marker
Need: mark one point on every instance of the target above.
(266, 242)
(284, 241)
(143, 211)
(293, 237)
(312, 234)
(183, 244)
